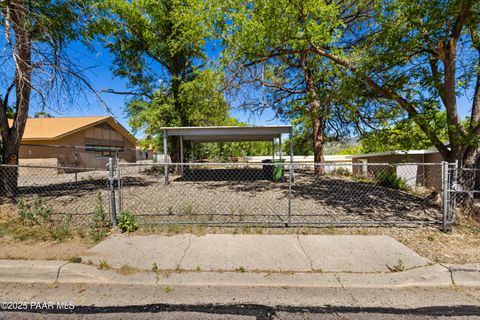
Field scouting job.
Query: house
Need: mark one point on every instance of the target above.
(416, 167)
(85, 142)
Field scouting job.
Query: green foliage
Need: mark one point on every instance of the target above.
(159, 46)
(127, 222)
(33, 212)
(101, 225)
(389, 179)
(404, 135)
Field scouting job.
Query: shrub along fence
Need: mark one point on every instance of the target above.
(269, 194)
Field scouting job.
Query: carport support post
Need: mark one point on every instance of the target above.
(290, 179)
(165, 157)
(111, 181)
(273, 149)
(280, 146)
(181, 155)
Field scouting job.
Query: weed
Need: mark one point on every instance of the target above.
(90, 262)
(241, 269)
(198, 269)
(398, 267)
(100, 225)
(31, 213)
(127, 222)
(167, 289)
(61, 232)
(103, 265)
(154, 267)
(75, 259)
(430, 237)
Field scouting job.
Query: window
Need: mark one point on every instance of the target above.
(103, 151)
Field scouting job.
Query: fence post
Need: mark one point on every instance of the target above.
(446, 194)
(111, 181)
(119, 188)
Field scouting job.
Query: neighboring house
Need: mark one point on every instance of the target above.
(85, 142)
(416, 167)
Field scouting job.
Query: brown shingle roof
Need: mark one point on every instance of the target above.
(56, 128)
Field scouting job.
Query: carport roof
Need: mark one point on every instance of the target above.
(228, 133)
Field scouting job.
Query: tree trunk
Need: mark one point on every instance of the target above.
(9, 173)
(318, 140)
(16, 13)
(317, 115)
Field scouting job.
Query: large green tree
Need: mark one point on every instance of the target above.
(420, 56)
(36, 67)
(267, 53)
(159, 46)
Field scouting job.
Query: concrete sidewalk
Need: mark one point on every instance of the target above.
(272, 253)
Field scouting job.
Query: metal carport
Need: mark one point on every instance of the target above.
(227, 134)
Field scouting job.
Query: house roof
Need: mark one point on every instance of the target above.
(55, 128)
(228, 133)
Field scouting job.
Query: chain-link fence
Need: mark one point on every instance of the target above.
(283, 194)
(270, 194)
(65, 192)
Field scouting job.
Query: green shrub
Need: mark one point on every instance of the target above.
(127, 222)
(30, 213)
(390, 179)
(100, 225)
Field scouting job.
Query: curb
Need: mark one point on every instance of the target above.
(61, 272)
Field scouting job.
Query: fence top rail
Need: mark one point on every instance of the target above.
(50, 167)
(126, 164)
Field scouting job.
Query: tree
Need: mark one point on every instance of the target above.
(159, 46)
(267, 49)
(420, 55)
(36, 34)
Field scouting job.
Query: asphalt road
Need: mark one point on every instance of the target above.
(247, 312)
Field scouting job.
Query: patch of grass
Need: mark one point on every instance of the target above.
(61, 232)
(103, 265)
(167, 289)
(75, 259)
(174, 228)
(126, 270)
